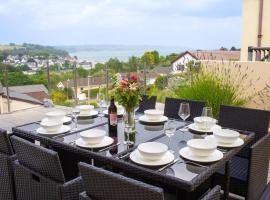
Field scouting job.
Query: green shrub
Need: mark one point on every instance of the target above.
(214, 89)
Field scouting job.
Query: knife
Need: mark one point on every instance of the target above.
(168, 165)
(109, 147)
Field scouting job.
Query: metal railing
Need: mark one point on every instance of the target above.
(261, 54)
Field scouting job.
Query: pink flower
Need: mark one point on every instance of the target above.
(124, 83)
(134, 77)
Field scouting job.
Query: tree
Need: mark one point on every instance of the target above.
(133, 63)
(83, 73)
(156, 57)
(115, 65)
(223, 49)
(234, 49)
(148, 58)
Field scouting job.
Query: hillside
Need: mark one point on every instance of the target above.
(31, 50)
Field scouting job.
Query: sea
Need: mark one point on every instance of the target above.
(102, 53)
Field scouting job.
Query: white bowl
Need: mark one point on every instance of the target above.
(51, 126)
(93, 136)
(226, 135)
(205, 123)
(85, 109)
(201, 147)
(153, 114)
(152, 150)
(55, 116)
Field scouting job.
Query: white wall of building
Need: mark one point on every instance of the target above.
(250, 22)
(182, 61)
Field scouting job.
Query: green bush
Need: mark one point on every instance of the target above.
(214, 89)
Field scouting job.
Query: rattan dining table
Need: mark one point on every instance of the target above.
(186, 179)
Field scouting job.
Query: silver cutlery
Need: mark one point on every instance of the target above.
(168, 165)
(222, 150)
(125, 155)
(109, 147)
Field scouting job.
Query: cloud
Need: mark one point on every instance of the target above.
(121, 21)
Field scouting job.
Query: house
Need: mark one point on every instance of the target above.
(17, 99)
(179, 64)
(38, 92)
(255, 27)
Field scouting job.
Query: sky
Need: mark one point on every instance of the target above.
(198, 24)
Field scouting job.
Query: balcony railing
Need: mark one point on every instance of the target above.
(259, 54)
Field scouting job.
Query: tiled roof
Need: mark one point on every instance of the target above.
(22, 97)
(29, 88)
(216, 55)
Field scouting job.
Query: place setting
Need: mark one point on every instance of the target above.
(201, 151)
(86, 112)
(53, 124)
(152, 154)
(204, 124)
(226, 138)
(94, 139)
(153, 117)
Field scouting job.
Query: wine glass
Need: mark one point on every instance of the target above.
(169, 129)
(75, 113)
(207, 115)
(101, 104)
(184, 111)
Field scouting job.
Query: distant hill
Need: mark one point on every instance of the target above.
(32, 50)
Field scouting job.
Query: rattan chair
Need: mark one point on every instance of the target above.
(213, 194)
(249, 169)
(105, 185)
(6, 172)
(38, 174)
(172, 106)
(266, 193)
(147, 103)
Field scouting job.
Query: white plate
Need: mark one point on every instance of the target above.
(185, 153)
(92, 113)
(136, 157)
(105, 112)
(67, 120)
(105, 142)
(63, 129)
(144, 119)
(239, 142)
(195, 128)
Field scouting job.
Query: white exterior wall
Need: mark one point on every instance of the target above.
(182, 61)
(250, 25)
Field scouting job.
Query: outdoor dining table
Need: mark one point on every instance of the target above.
(185, 177)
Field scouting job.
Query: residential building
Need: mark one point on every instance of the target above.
(179, 64)
(255, 28)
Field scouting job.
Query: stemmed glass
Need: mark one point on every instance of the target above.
(184, 111)
(169, 129)
(75, 114)
(206, 114)
(101, 104)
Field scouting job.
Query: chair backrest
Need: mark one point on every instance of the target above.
(102, 184)
(38, 159)
(247, 119)
(5, 145)
(172, 106)
(147, 102)
(213, 194)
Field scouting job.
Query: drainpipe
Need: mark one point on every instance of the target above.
(260, 24)
(259, 42)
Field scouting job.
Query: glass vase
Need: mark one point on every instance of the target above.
(129, 120)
